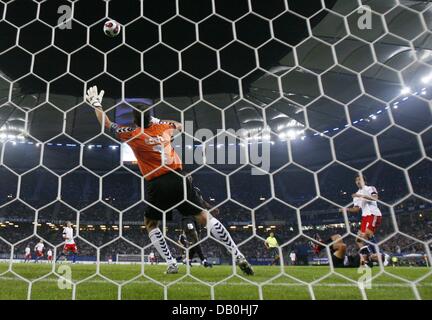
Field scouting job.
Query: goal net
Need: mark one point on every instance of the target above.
(283, 103)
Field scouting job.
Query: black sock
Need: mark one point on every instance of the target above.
(192, 253)
(193, 236)
(198, 250)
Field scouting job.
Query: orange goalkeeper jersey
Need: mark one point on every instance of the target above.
(151, 147)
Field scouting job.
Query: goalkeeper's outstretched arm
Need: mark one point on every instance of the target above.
(177, 125)
(100, 114)
(94, 98)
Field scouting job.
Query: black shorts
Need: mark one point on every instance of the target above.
(167, 191)
(351, 261)
(337, 262)
(274, 252)
(354, 261)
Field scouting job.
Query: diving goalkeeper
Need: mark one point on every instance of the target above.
(150, 141)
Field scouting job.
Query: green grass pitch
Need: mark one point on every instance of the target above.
(267, 283)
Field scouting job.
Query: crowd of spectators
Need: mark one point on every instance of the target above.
(101, 202)
(415, 230)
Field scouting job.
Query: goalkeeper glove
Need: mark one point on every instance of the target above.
(155, 120)
(94, 98)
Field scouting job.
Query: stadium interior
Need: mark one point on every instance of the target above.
(328, 99)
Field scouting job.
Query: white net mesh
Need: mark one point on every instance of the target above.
(329, 89)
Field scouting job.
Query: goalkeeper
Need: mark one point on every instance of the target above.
(150, 140)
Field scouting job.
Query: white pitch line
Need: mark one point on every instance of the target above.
(390, 285)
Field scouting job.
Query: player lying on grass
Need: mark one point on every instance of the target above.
(339, 256)
(161, 166)
(365, 200)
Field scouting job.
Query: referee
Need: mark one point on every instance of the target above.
(273, 247)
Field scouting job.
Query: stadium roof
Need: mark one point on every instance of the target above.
(259, 88)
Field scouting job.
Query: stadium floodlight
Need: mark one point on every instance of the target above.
(406, 90)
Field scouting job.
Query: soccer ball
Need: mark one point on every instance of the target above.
(112, 28)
